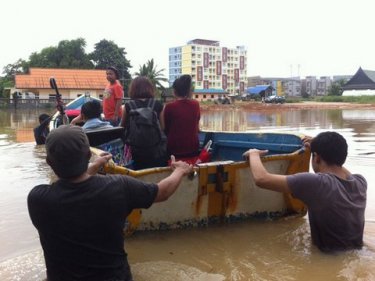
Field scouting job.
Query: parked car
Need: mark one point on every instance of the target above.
(275, 99)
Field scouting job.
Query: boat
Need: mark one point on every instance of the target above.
(219, 191)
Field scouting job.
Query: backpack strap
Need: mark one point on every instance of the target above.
(132, 104)
(151, 103)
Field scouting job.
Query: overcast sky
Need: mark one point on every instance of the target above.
(283, 37)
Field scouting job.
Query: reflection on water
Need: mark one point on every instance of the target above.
(279, 250)
(360, 121)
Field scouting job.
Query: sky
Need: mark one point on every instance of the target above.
(284, 38)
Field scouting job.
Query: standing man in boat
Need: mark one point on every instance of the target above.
(80, 217)
(335, 198)
(112, 97)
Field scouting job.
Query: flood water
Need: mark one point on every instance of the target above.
(277, 250)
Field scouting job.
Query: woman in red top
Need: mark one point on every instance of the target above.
(180, 120)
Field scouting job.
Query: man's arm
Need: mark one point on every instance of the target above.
(99, 162)
(116, 115)
(77, 119)
(169, 185)
(261, 176)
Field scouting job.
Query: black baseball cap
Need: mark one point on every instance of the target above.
(68, 151)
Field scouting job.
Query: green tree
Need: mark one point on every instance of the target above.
(156, 76)
(10, 70)
(107, 53)
(71, 54)
(336, 88)
(68, 54)
(5, 83)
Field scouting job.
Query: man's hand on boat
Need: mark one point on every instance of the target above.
(307, 140)
(168, 185)
(182, 166)
(247, 154)
(98, 163)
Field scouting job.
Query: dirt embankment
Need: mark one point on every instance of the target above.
(258, 106)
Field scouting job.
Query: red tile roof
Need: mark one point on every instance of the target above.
(38, 78)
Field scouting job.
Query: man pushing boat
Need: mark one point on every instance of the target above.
(80, 217)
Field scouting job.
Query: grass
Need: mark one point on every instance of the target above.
(350, 99)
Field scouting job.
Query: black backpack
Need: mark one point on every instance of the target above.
(144, 135)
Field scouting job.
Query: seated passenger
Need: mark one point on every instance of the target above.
(180, 120)
(142, 128)
(90, 114)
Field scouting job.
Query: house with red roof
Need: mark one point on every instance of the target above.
(71, 83)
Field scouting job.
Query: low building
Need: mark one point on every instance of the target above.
(209, 94)
(361, 84)
(259, 91)
(71, 83)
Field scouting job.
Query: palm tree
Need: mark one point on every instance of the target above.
(149, 70)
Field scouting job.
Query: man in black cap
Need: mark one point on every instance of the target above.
(80, 217)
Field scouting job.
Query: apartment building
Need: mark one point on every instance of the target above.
(213, 68)
(281, 86)
(324, 83)
(310, 86)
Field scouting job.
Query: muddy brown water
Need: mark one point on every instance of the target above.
(278, 250)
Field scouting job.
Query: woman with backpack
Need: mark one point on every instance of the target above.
(142, 127)
(180, 120)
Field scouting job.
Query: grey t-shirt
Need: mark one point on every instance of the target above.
(336, 208)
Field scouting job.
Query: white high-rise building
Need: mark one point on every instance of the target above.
(212, 67)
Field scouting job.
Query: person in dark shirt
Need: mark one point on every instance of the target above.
(335, 198)
(80, 217)
(41, 132)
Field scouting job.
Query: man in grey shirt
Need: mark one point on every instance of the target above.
(335, 198)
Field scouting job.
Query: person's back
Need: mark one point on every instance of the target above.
(181, 121)
(335, 198)
(86, 217)
(146, 140)
(91, 114)
(336, 208)
(80, 218)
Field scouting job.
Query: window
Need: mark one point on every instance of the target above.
(204, 96)
(52, 96)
